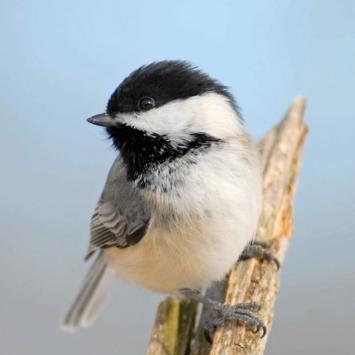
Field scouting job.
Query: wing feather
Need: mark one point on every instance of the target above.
(121, 216)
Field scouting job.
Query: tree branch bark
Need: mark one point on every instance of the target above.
(251, 280)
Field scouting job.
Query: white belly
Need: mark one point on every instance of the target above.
(190, 255)
(194, 251)
(165, 262)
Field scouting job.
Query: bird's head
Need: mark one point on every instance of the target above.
(171, 99)
(167, 105)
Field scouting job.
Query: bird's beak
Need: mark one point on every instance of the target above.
(102, 119)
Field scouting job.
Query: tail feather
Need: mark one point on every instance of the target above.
(91, 298)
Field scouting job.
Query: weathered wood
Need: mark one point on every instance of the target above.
(252, 280)
(173, 327)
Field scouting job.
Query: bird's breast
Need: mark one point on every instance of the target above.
(200, 224)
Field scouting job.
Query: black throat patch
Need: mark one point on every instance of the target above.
(143, 152)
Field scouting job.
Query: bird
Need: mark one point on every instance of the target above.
(183, 198)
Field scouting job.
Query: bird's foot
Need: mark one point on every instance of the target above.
(259, 250)
(242, 312)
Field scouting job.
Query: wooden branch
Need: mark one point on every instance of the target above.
(173, 327)
(252, 280)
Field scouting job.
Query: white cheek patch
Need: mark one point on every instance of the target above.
(210, 113)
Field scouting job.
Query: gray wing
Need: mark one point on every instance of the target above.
(121, 216)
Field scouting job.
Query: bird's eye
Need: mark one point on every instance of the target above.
(146, 103)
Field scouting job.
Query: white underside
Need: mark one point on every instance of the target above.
(216, 215)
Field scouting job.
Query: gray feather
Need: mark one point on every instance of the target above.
(91, 298)
(120, 219)
(121, 216)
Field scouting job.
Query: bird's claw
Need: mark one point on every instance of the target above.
(242, 312)
(261, 326)
(259, 250)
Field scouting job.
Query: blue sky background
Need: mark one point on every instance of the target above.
(60, 61)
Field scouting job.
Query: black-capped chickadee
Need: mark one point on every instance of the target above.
(182, 199)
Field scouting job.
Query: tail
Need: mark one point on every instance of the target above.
(91, 298)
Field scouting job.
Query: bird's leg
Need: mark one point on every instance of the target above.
(259, 250)
(242, 312)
